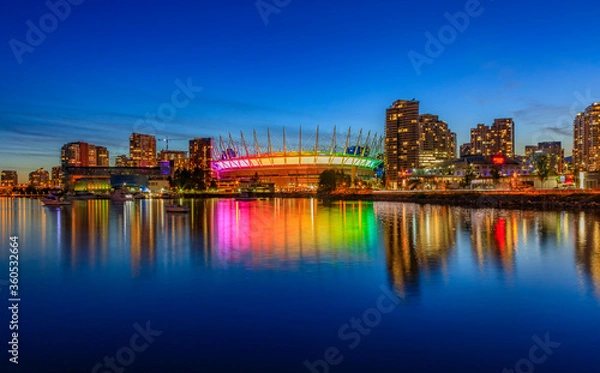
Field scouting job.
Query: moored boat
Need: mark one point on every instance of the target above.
(177, 208)
(53, 200)
(245, 195)
(139, 195)
(121, 195)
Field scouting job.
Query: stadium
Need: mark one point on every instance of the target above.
(296, 162)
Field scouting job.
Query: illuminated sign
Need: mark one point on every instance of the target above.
(498, 160)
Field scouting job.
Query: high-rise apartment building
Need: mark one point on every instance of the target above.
(9, 178)
(102, 156)
(497, 139)
(401, 139)
(555, 153)
(39, 178)
(465, 150)
(142, 150)
(586, 139)
(453, 145)
(436, 142)
(503, 137)
(82, 154)
(414, 141)
(201, 151)
(177, 158)
(124, 161)
(57, 176)
(530, 150)
(481, 140)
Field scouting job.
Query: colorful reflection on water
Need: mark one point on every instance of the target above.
(300, 268)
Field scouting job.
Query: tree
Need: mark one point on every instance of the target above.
(197, 179)
(495, 174)
(327, 181)
(330, 180)
(469, 176)
(342, 179)
(182, 179)
(542, 168)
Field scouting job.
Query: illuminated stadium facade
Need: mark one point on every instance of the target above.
(299, 162)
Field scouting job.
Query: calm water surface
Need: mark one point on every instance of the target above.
(282, 285)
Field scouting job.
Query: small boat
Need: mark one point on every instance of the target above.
(167, 195)
(52, 200)
(245, 196)
(139, 195)
(177, 208)
(121, 195)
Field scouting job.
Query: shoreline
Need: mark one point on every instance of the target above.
(553, 200)
(522, 200)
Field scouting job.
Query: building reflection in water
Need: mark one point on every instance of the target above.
(587, 249)
(83, 233)
(103, 233)
(494, 237)
(263, 234)
(16, 215)
(287, 233)
(419, 241)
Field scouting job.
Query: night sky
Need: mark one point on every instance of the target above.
(326, 63)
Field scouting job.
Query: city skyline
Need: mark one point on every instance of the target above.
(438, 143)
(101, 73)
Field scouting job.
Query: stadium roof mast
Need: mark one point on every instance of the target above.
(269, 138)
(356, 147)
(317, 145)
(362, 153)
(232, 143)
(270, 145)
(332, 145)
(284, 148)
(373, 143)
(223, 148)
(300, 146)
(346, 146)
(244, 143)
(256, 143)
(213, 143)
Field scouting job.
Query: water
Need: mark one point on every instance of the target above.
(278, 286)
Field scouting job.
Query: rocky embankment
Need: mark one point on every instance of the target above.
(536, 200)
(541, 200)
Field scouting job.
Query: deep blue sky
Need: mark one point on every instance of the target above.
(316, 62)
